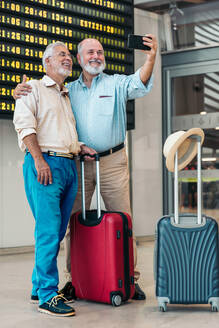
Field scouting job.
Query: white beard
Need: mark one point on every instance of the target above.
(93, 70)
(63, 71)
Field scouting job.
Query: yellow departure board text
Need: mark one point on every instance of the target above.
(28, 26)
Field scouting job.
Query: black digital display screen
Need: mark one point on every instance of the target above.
(28, 26)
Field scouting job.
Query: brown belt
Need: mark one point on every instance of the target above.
(58, 154)
(112, 150)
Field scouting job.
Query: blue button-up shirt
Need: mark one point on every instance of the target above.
(100, 111)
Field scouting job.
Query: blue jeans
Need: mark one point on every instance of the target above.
(51, 206)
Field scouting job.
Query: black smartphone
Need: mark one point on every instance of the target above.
(136, 42)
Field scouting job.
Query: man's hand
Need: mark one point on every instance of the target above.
(44, 175)
(22, 89)
(150, 41)
(87, 150)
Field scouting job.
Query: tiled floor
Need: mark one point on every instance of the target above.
(17, 312)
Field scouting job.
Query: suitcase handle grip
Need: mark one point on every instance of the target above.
(97, 160)
(95, 156)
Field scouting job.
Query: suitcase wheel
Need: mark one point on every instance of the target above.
(214, 308)
(162, 303)
(214, 301)
(116, 300)
(163, 307)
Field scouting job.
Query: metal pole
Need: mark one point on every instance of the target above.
(83, 191)
(199, 184)
(98, 188)
(176, 196)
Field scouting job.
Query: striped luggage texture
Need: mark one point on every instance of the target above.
(187, 268)
(187, 254)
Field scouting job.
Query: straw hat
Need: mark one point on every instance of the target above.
(186, 147)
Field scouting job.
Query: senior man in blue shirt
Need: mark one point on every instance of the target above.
(99, 105)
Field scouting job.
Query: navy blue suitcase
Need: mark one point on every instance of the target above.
(187, 256)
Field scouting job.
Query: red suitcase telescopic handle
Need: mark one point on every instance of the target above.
(199, 184)
(97, 159)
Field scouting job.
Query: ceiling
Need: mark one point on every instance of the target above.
(161, 6)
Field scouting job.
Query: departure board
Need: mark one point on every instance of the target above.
(28, 26)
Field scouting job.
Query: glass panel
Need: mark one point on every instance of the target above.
(195, 94)
(194, 26)
(210, 179)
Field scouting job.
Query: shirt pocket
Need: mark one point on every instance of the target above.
(105, 105)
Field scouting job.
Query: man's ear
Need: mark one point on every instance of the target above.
(47, 60)
(79, 59)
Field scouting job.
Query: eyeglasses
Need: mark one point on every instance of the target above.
(65, 54)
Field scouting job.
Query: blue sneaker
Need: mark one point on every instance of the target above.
(56, 306)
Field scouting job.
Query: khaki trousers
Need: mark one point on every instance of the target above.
(114, 189)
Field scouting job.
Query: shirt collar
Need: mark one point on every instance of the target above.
(96, 78)
(50, 82)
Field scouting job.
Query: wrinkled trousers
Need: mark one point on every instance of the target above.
(51, 206)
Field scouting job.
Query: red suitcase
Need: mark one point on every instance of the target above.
(102, 264)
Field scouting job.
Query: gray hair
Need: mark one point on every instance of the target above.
(49, 51)
(80, 46)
